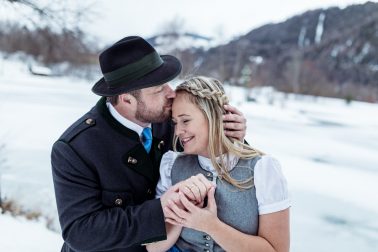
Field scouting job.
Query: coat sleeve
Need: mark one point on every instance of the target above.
(86, 224)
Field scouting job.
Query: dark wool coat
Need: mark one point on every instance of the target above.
(105, 184)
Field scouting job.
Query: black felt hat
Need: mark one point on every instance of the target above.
(131, 64)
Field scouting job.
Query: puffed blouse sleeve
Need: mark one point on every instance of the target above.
(165, 173)
(271, 186)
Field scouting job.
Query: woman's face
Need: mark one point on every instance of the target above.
(191, 126)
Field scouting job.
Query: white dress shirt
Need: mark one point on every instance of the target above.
(271, 186)
(125, 122)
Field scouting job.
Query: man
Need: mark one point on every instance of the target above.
(106, 165)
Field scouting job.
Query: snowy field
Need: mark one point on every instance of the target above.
(328, 150)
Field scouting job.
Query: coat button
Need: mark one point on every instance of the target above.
(149, 191)
(207, 244)
(206, 237)
(206, 250)
(132, 160)
(89, 121)
(118, 202)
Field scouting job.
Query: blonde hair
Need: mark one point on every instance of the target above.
(209, 96)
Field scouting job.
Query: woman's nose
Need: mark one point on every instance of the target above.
(178, 130)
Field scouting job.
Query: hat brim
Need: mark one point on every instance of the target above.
(169, 70)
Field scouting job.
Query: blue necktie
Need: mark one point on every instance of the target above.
(147, 139)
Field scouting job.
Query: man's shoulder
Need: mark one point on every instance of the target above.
(84, 123)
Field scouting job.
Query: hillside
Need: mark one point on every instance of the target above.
(327, 52)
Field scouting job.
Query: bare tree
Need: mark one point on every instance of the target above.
(171, 32)
(221, 55)
(294, 71)
(59, 14)
(240, 54)
(51, 32)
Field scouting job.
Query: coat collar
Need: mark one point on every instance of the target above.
(105, 113)
(135, 158)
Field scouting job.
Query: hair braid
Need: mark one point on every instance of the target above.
(218, 96)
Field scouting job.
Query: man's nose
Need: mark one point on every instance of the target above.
(170, 92)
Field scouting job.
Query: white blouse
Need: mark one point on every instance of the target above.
(271, 186)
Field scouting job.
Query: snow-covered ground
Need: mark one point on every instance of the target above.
(21, 235)
(328, 150)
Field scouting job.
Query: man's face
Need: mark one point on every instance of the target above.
(155, 104)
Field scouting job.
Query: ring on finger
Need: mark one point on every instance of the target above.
(189, 188)
(195, 186)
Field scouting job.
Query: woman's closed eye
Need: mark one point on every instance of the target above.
(181, 121)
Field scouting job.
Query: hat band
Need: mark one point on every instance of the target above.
(134, 70)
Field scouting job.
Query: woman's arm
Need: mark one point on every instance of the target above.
(173, 233)
(273, 234)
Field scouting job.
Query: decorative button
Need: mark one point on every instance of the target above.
(118, 202)
(206, 237)
(207, 244)
(89, 121)
(149, 191)
(161, 145)
(132, 160)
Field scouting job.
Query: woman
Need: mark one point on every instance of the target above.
(249, 208)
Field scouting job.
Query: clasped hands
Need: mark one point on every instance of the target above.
(183, 203)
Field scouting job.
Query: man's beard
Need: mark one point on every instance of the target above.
(144, 115)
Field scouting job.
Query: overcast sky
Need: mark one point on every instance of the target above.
(221, 20)
(213, 18)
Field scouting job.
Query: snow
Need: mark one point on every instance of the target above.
(302, 36)
(182, 42)
(40, 70)
(19, 234)
(319, 28)
(365, 50)
(327, 148)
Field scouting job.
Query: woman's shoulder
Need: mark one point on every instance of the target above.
(271, 185)
(168, 159)
(268, 168)
(261, 162)
(268, 161)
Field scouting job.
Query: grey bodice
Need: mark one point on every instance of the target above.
(237, 208)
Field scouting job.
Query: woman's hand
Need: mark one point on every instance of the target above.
(234, 123)
(193, 216)
(195, 188)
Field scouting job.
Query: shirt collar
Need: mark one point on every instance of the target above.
(125, 122)
(206, 162)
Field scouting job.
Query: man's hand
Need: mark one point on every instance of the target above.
(234, 123)
(170, 196)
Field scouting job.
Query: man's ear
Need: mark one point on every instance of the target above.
(126, 98)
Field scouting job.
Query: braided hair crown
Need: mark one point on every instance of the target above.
(205, 87)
